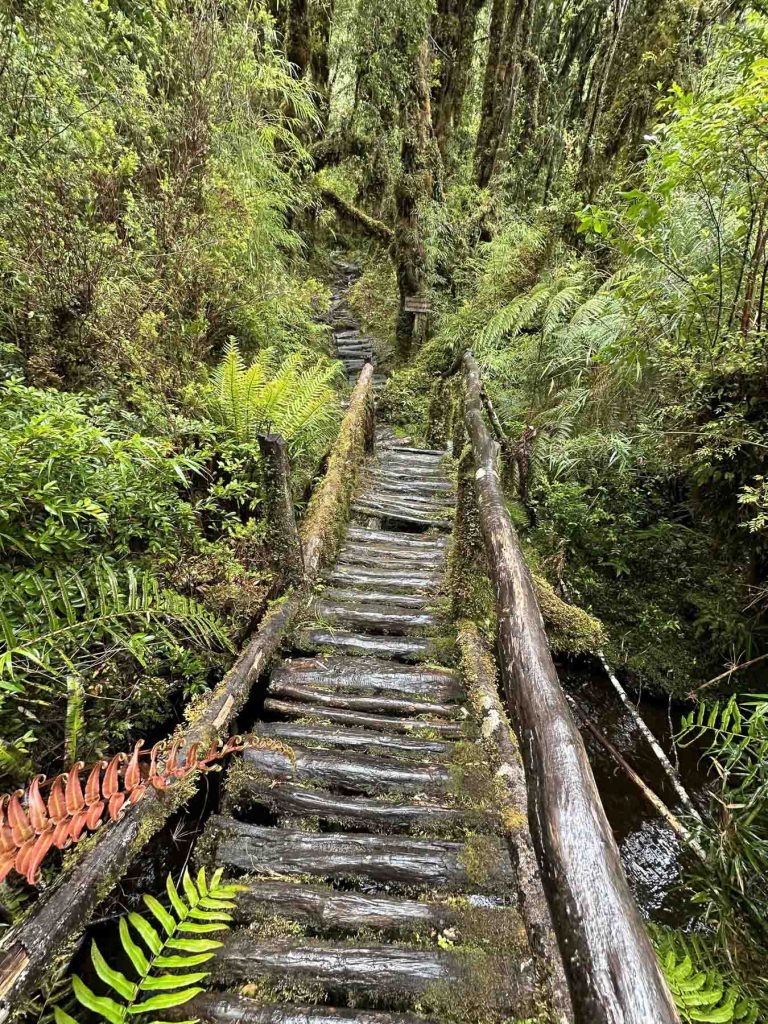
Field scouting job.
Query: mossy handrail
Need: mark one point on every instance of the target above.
(32, 949)
(612, 970)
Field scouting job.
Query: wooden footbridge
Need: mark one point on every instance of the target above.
(403, 862)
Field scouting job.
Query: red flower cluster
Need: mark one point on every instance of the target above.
(30, 825)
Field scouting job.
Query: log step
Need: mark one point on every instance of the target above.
(364, 739)
(376, 554)
(398, 513)
(377, 619)
(397, 974)
(402, 540)
(352, 675)
(360, 720)
(229, 1008)
(414, 648)
(376, 705)
(374, 597)
(427, 864)
(327, 909)
(407, 581)
(361, 773)
(395, 482)
(289, 800)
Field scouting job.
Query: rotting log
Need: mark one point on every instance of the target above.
(398, 973)
(228, 1008)
(44, 938)
(610, 964)
(327, 909)
(283, 536)
(479, 673)
(433, 864)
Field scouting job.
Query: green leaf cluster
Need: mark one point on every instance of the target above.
(164, 948)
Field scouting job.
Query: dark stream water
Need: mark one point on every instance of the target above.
(651, 852)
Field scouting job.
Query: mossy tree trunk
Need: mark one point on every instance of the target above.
(453, 31)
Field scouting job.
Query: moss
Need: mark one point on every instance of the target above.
(570, 629)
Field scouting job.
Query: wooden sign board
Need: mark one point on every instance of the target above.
(416, 304)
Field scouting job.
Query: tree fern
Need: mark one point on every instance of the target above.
(165, 948)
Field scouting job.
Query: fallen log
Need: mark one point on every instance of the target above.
(363, 721)
(399, 579)
(430, 864)
(381, 620)
(404, 648)
(610, 964)
(359, 218)
(249, 790)
(373, 597)
(358, 772)
(355, 674)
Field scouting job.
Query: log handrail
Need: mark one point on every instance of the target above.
(613, 974)
(37, 944)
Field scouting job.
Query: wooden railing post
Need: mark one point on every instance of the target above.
(282, 534)
(612, 970)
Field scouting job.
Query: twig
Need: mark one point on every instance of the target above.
(724, 675)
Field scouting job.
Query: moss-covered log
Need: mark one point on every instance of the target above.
(357, 217)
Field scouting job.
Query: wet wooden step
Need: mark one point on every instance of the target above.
(392, 580)
(398, 512)
(287, 799)
(429, 864)
(398, 974)
(414, 648)
(358, 719)
(364, 598)
(229, 1008)
(381, 619)
(395, 481)
(360, 553)
(310, 694)
(353, 675)
(327, 909)
(402, 540)
(406, 496)
(362, 773)
(364, 739)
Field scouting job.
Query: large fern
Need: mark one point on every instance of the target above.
(164, 950)
(295, 398)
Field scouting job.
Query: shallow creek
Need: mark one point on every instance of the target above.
(650, 850)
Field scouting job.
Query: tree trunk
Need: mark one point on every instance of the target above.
(453, 32)
(609, 961)
(298, 47)
(283, 537)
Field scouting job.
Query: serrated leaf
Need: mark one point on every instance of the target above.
(105, 1007)
(135, 952)
(165, 1000)
(167, 922)
(170, 981)
(115, 979)
(147, 932)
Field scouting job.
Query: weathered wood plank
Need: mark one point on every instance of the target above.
(361, 720)
(414, 648)
(228, 1008)
(377, 705)
(355, 674)
(366, 739)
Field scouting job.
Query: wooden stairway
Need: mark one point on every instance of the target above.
(379, 890)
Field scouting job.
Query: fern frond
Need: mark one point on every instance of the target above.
(173, 937)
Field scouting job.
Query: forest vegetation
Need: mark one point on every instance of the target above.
(579, 188)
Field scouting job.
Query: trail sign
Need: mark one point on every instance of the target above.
(416, 304)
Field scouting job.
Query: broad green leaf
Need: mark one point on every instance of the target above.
(178, 904)
(166, 920)
(135, 952)
(199, 927)
(189, 888)
(115, 979)
(147, 932)
(191, 960)
(62, 1017)
(105, 1007)
(194, 945)
(208, 915)
(202, 884)
(164, 1001)
(169, 981)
